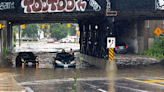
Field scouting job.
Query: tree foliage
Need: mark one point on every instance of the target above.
(57, 30)
(157, 49)
(31, 30)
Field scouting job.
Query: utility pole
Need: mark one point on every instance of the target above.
(19, 36)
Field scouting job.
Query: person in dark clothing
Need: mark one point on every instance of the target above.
(71, 52)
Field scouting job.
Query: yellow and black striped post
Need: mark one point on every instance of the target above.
(110, 54)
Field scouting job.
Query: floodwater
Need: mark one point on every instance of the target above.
(47, 78)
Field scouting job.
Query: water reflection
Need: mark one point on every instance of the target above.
(111, 76)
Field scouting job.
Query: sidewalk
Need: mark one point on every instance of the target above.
(8, 84)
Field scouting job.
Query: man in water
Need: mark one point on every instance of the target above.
(63, 51)
(71, 52)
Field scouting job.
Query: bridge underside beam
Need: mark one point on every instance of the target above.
(93, 36)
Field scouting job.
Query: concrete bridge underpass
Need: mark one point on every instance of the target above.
(130, 21)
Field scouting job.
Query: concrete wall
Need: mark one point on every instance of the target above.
(146, 33)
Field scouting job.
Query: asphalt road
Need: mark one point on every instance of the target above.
(148, 78)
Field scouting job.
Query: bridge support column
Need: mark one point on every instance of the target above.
(3, 34)
(93, 36)
(9, 37)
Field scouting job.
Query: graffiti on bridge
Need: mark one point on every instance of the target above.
(160, 5)
(95, 5)
(41, 6)
(6, 5)
(108, 7)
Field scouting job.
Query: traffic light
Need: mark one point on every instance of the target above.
(78, 32)
(23, 26)
(68, 25)
(48, 26)
(43, 26)
(1, 26)
(45, 34)
(76, 28)
(49, 33)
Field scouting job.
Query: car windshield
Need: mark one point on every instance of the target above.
(64, 56)
(120, 44)
(26, 54)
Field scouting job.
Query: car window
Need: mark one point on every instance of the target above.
(61, 56)
(120, 44)
(26, 54)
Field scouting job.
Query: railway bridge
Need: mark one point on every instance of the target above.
(131, 21)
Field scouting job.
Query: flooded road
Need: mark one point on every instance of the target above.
(46, 78)
(45, 47)
(135, 79)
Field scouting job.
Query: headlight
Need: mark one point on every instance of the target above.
(73, 62)
(57, 61)
(22, 60)
(36, 60)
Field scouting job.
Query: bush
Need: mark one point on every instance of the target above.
(4, 51)
(157, 49)
(14, 45)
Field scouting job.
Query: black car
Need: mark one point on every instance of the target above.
(121, 48)
(25, 57)
(64, 60)
(25, 39)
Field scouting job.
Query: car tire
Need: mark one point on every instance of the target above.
(55, 65)
(26, 63)
(18, 61)
(74, 66)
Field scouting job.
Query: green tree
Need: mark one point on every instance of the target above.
(31, 30)
(59, 31)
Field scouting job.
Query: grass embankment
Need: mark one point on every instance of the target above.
(157, 49)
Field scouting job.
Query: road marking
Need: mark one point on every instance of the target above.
(102, 90)
(64, 80)
(28, 89)
(138, 90)
(154, 81)
(94, 87)
(147, 82)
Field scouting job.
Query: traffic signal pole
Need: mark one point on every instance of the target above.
(19, 36)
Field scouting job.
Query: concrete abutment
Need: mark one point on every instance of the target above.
(138, 34)
(6, 36)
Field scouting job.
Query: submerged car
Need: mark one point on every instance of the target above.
(121, 48)
(64, 60)
(26, 57)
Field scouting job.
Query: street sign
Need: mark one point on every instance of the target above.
(111, 13)
(78, 32)
(111, 42)
(158, 31)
